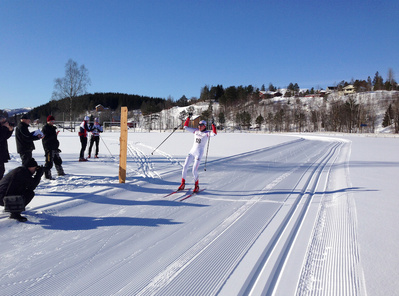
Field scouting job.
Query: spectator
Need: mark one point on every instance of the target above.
(6, 131)
(25, 139)
(51, 148)
(21, 182)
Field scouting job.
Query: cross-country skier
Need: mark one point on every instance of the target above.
(83, 130)
(201, 136)
(96, 129)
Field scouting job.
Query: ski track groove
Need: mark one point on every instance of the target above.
(165, 285)
(332, 264)
(254, 281)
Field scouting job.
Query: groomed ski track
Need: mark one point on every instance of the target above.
(262, 211)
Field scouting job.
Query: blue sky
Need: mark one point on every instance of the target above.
(174, 48)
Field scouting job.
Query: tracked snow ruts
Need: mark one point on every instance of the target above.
(145, 167)
(332, 265)
(174, 277)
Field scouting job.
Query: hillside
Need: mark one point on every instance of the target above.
(355, 113)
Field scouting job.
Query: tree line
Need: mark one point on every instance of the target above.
(241, 105)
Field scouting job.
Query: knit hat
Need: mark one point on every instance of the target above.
(31, 163)
(50, 118)
(25, 116)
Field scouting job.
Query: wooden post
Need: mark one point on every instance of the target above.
(123, 146)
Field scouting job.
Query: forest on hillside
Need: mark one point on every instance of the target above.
(247, 107)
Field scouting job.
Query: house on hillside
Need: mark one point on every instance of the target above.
(194, 121)
(269, 94)
(100, 108)
(349, 89)
(331, 89)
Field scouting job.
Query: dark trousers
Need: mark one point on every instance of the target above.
(27, 196)
(52, 156)
(83, 142)
(2, 170)
(26, 156)
(94, 139)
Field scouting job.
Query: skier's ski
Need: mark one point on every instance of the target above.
(176, 191)
(191, 194)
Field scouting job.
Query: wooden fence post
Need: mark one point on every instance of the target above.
(123, 146)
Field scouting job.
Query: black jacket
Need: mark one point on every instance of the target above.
(21, 181)
(5, 134)
(50, 141)
(24, 138)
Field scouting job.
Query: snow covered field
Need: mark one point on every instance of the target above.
(284, 214)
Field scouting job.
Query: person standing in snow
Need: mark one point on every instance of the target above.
(96, 129)
(51, 148)
(21, 181)
(6, 131)
(83, 130)
(25, 138)
(201, 135)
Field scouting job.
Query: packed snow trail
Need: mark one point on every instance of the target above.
(236, 237)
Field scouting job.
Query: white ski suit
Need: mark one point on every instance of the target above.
(197, 150)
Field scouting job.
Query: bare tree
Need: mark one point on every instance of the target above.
(73, 84)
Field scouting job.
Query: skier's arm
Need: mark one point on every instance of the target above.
(187, 128)
(187, 122)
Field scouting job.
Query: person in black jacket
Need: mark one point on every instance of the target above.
(51, 148)
(25, 138)
(21, 181)
(5, 133)
(83, 130)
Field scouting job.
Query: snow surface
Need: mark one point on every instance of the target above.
(280, 214)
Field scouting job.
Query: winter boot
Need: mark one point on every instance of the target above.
(17, 216)
(60, 170)
(82, 159)
(89, 156)
(196, 188)
(182, 185)
(47, 175)
(96, 156)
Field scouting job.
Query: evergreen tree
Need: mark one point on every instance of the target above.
(378, 82)
(259, 120)
(387, 121)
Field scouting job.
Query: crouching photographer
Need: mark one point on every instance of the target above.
(17, 188)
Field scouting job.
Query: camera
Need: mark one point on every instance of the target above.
(9, 123)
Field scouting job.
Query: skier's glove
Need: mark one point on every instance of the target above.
(214, 129)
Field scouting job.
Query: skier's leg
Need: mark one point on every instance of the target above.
(189, 160)
(195, 168)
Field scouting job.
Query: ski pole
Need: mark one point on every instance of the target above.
(207, 149)
(106, 146)
(152, 153)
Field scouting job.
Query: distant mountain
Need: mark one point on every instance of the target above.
(12, 112)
